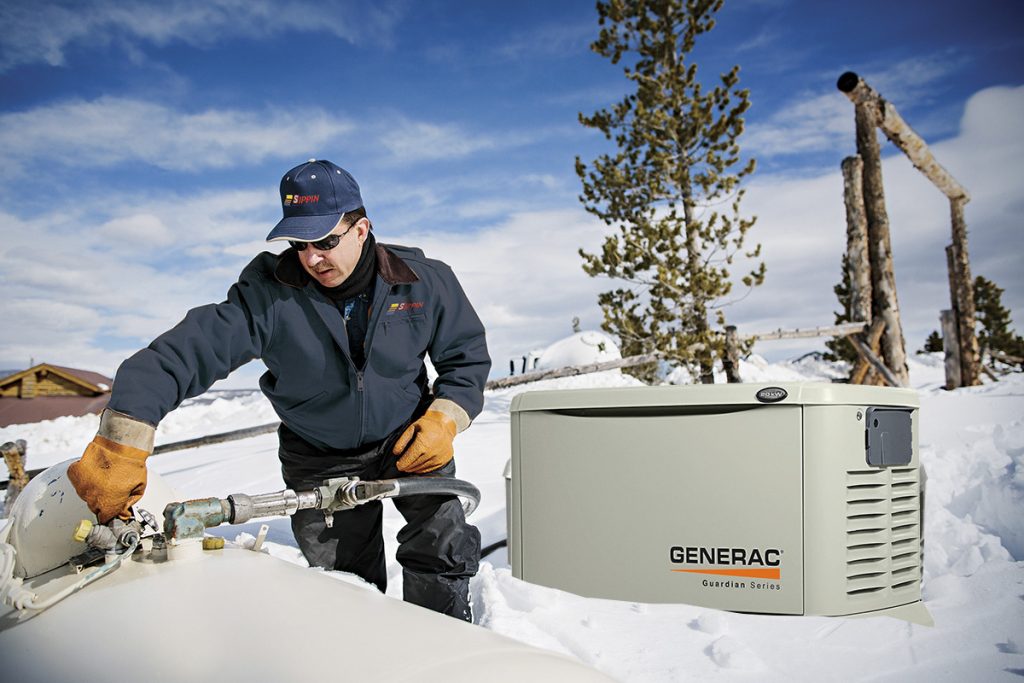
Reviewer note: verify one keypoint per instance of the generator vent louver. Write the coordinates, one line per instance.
(883, 530)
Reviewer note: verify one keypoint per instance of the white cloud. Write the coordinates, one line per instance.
(814, 123)
(135, 273)
(765, 36)
(112, 130)
(43, 31)
(108, 131)
(913, 78)
(418, 141)
(136, 229)
(548, 40)
(410, 141)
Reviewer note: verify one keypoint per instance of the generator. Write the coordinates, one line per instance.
(796, 498)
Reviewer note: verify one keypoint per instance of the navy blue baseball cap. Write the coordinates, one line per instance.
(314, 196)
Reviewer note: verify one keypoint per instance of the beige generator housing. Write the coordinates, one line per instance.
(801, 498)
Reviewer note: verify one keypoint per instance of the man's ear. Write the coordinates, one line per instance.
(362, 227)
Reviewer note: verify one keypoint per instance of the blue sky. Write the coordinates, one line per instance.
(142, 143)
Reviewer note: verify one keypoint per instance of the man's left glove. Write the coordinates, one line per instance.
(426, 444)
(111, 475)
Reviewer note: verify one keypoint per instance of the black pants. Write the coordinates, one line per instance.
(438, 550)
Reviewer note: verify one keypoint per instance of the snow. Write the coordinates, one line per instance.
(972, 447)
(581, 348)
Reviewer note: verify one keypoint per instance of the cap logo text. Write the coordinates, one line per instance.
(296, 199)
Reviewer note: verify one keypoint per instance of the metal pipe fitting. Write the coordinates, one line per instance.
(190, 519)
(281, 503)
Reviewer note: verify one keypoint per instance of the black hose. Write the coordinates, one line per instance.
(503, 543)
(431, 486)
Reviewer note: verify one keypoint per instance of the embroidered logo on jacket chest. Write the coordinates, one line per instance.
(404, 306)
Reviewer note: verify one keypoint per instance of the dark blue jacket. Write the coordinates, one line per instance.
(275, 312)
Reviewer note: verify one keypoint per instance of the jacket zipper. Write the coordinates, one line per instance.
(359, 385)
(371, 326)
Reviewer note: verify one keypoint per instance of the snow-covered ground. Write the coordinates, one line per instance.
(972, 446)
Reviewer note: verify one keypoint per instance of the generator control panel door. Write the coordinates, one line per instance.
(689, 504)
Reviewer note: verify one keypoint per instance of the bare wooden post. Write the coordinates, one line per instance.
(14, 456)
(884, 303)
(731, 359)
(911, 144)
(806, 333)
(857, 259)
(951, 337)
(963, 291)
(951, 348)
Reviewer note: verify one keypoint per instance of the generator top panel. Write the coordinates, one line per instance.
(789, 393)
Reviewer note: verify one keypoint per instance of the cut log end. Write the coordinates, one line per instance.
(848, 81)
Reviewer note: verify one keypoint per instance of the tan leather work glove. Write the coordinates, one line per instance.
(111, 475)
(426, 444)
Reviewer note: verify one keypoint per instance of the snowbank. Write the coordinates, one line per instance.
(581, 348)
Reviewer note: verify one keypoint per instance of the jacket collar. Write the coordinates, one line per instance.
(390, 266)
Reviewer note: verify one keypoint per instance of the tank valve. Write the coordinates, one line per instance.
(112, 537)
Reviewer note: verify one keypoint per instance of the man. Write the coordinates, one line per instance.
(343, 325)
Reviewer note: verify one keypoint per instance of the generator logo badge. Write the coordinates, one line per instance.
(771, 394)
(733, 563)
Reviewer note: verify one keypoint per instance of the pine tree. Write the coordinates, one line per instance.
(994, 321)
(677, 160)
(933, 343)
(840, 348)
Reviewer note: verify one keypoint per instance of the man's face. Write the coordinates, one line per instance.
(332, 267)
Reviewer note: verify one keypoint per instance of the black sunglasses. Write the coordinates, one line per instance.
(326, 244)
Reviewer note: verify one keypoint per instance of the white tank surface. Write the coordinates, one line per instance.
(237, 615)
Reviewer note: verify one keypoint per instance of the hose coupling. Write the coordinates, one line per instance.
(345, 493)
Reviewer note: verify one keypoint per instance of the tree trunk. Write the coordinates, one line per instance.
(951, 348)
(970, 358)
(14, 457)
(731, 359)
(858, 264)
(884, 303)
(700, 313)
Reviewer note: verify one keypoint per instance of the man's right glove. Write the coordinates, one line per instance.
(111, 475)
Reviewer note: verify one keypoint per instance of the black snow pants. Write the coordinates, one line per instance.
(438, 550)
